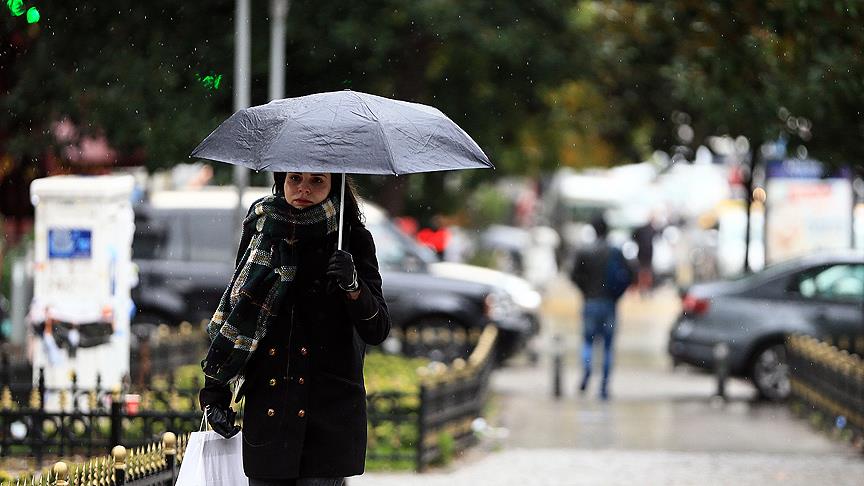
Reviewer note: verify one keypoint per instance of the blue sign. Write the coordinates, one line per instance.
(69, 243)
(794, 168)
(803, 169)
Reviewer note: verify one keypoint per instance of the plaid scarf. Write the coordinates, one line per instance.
(262, 279)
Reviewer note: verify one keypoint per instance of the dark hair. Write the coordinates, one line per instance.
(352, 209)
(600, 226)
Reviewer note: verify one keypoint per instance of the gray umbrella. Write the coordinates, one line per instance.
(344, 132)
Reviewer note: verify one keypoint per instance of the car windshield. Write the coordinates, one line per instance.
(396, 250)
(771, 271)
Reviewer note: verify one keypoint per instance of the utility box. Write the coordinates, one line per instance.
(81, 309)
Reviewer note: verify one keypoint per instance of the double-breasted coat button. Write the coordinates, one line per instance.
(301, 413)
(271, 412)
(272, 381)
(304, 351)
(301, 380)
(271, 351)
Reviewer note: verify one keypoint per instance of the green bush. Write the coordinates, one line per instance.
(488, 206)
(392, 373)
(447, 447)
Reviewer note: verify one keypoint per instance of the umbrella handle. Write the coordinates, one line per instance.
(341, 212)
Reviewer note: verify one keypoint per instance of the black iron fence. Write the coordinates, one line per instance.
(431, 425)
(451, 398)
(405, 429)
(88, 421)
(828, 381)
(154, 464)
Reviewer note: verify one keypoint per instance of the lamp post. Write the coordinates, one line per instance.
(242, 90)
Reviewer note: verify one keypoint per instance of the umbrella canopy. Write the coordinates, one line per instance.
(344, 132)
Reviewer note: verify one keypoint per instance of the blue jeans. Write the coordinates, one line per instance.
(598, 319)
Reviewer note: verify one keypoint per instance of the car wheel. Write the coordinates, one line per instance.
(770, 373)
(437, 338)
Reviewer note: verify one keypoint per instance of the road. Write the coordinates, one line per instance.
(661, 426)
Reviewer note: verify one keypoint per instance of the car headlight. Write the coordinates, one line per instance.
(529, 300)
(683, 329)
(500, 306)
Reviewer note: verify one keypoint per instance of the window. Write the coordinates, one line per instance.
(212, 235)
(843, 282)
(157, 237)
(390, 250)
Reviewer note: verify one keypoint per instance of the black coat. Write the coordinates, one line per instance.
(305, 408)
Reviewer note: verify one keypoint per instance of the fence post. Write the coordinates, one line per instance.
(119, 454)
(169, 449)
(41, 386)
(61, 474)
(6, 374)
(721, 367)
(421, 426)
(6, 404)
(116, 418)
(556, 366)
(37, 403)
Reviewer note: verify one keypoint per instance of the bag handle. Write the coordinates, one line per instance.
(204, 424)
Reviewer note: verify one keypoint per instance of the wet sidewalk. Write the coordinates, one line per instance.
(661, 426)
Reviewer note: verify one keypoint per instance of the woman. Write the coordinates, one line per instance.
(291, 331)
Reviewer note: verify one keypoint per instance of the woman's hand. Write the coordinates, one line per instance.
(222, 420)
(341, 269)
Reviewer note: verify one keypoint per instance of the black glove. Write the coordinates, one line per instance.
(341, 269)
(222, 420)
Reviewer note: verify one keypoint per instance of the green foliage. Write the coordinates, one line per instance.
(390, 372)
(538, 83)
(9, 257)
(189, 376)
(762, 70)
(488, 206)
(125, 70)
(446, 447)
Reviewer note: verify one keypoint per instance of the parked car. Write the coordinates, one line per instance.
(185, 244)
(517, 303)
(184, 247)
(819, 295)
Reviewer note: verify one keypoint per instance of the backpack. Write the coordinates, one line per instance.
(619, 275)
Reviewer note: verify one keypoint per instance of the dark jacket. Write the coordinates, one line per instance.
(589, 270)
(305, 408)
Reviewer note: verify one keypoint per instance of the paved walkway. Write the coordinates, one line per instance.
(661, 427)
(565, 467)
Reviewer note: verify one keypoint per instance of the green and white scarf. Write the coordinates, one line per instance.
(262, 279)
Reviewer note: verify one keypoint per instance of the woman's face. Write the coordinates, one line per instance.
(304, 189)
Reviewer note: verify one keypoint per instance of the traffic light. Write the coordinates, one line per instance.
(16, 8)
(32, 15)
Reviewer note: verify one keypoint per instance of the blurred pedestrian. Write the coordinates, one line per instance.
(644, 236)
(602, 274)
(290, 333)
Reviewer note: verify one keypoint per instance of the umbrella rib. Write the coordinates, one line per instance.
(380, 132)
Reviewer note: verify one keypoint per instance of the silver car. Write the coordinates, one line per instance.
(819, 295)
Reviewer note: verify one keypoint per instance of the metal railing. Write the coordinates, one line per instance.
(451, 398)
(154, 464)
(421, 428)
(89, 421)
(829, 381)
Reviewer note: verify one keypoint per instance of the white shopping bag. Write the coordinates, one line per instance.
(212, 460)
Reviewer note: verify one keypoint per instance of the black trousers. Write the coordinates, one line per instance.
(298, 482)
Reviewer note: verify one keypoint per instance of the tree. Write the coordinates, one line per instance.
(125, 69)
